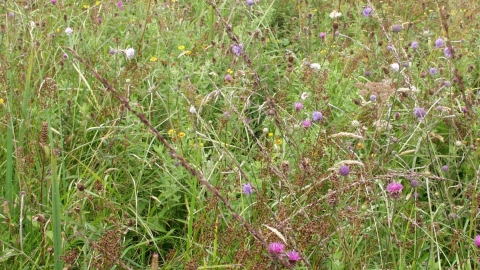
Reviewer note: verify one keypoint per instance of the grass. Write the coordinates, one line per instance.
(198, 149)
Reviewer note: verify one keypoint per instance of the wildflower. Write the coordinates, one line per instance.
(68, 31)
(419, 112)
(315, 66)
(99, 20)
(344, 170)
(153, 59)
(120, 5)
(2, 101)
(112, 51)
(367, 73)
(228, 77)
(53, 2)
(477, 240)
(373, 98)
(396, 28)
(276, 247)
(293, 256)
(367, 11)
(65, 56)
(414, 45)
(237, 49)
(458, 144)
(322, 35)
(335, 14)
(444, 168)
(270, 134)
(447, 83)
(278, 141)
(439, 43)
(317, 116)
(432, 71)
(395, 189)
(192, 109)
(250, 2)
(360, 145)
(304, 95)
(395, 67)
(181, 47)
(447, 52)
(306, 123)
(389, 47)
(298, 106)
(247, 189)
(130, 53)
(355, 123)
(188, 52)
(181, 134)
(171, 132)
(414, 183)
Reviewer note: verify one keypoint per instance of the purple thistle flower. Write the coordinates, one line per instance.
(367, 11)
(317, 116)
(373, 98)
(228, 77)
(247, 189)
(432, 71)
(414, 45)
(237, 49)
(344, 170)
(444, 168)
(389, 47)
(477, 241)
(447, 83)
(367, 73)
(53, 2)
(112, 52)
(439, 43)
(99, 20)
(322, 35)
(293, 256)
(447, 52)
(419, 112)
(250, 2)
(306, 123)
(396, 28)
(414, 183)
(394, 188)
(120, 5)
(298, 106)
(276, 247)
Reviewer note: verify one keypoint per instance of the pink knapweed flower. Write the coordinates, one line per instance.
(276, 247)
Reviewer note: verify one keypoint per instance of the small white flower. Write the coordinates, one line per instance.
(335, 14)
(265, 130)
(192, 109)
(458, 144)
(395, 67)
(68, 31)
(304, 95)
(355, 123)
(315, 66)
(130, 52)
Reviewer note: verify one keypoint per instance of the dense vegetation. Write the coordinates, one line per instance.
(257, 134)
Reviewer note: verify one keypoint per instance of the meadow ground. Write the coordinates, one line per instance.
(256, 134)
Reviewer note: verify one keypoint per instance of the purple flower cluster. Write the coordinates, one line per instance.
(419, 112)
(394, 189)
(278, 248)
(344, 170)
(247, 189)
(367, 11)
(237, 49)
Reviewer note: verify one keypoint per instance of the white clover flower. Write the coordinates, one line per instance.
(192, 109)
(130, 53)
(335, 14)
(395, 67)
(315, 66)
(68, 31)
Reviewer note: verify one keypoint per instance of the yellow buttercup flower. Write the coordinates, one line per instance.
(153, 59)
(323, 51)
(97, 3)
(188, 52)
(270, 134)
(181, 47)
(2, 101)
(278, 141)
(229, 71)
(181, 134)
(171, 132)
(360, 145)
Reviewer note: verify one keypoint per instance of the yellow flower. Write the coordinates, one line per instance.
(153, 59)
(2, 101)
(201, 144)
(86, 6)
(270, 134)
(323, 51)
(97, 3)
(181, 47)
(360, 145)
(171, 132)
(188, 52)
(181, 134)
(229, 71)
(58, 30)
(278, 141)
(314, 10)
(132, 20)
